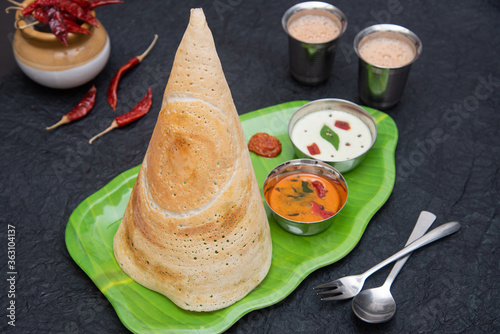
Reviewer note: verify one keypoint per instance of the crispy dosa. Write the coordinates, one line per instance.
(195, 228)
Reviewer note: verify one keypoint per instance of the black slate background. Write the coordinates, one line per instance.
(447, 161)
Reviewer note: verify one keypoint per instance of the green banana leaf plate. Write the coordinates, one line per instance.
(92, 225)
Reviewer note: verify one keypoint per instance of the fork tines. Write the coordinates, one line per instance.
(337, 291)
(334, 293)
(333, 284)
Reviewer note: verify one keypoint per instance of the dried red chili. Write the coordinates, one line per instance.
(81, 3)
(40, 14)
(313, 149)
(138, 111)
(76, 28)
(81, 13)
(37, 4)
(342, 125)
(72, 23)
(87, 4)
(264, 145)
(113, 86)
(80, 110)
(71, 17)
(319, 188)
(320, 210)
(57, 25)
(99, 3)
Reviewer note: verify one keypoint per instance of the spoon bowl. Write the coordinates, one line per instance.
(374, 305)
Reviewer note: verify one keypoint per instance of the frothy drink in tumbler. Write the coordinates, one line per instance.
(313, 27)
(386, 51)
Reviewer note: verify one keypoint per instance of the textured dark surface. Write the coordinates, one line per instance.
(447, 161)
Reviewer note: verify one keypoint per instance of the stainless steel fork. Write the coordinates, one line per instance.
(350, 286)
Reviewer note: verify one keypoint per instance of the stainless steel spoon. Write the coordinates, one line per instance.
(378, 305)
(349, 286)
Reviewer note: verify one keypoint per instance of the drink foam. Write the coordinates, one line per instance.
(312, 28)
(386, 52)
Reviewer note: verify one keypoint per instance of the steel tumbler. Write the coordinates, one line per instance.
(311, 63)
(378, 86)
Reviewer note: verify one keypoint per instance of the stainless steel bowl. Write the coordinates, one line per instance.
(309, 166)
(342, 166)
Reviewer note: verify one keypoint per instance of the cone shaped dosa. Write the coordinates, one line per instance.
(195, 228)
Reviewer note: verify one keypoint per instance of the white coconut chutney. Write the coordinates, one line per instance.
(352, 142)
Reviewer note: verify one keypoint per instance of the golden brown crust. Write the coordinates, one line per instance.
(195, 228)
(197, 135)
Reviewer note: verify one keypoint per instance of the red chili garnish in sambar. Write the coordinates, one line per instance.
(319, 188)
(320, 210)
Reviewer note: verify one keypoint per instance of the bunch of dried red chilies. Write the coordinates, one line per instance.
(87, 102)
(63, 16)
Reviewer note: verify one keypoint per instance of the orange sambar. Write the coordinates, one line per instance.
(306, 197)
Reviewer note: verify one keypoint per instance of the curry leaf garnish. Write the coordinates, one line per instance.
(295, 197)
(330, 136)
(305, 187)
